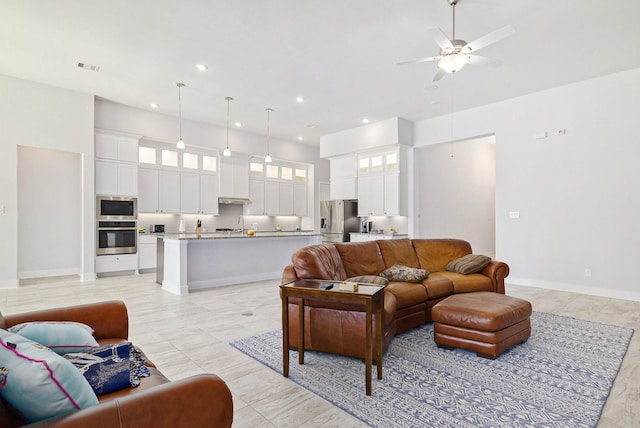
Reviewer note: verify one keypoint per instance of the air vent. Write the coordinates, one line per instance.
(89, 67)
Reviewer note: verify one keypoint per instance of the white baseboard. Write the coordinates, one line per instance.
(48, 272)
(575, 288)
(9, 283)
(240, 279)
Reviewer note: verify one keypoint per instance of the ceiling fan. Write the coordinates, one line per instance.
(455, 53)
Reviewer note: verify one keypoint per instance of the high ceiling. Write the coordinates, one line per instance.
(339, 55)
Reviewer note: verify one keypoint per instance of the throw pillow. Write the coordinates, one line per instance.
(471, 263)
(60, 336)
(38, 382)
(404, 273)
(369, 279)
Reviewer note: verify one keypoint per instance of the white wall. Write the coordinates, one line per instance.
(35, 115)
(455, 192)
(50, 207)
(577, 194)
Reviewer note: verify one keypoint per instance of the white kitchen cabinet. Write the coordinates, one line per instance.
(370, 195)
(286, 198)
(189, 193)
(158, 191)
(257, 197)
(147, 190)
(392, 194)
(169, 192)
(116, 165)
(234, 177)
(116, 178)
(209, 194)
(116, 148)
(343, 178)
(365, 237)
(271, 197)
(147, 255)
(300, 201)
(116, 263)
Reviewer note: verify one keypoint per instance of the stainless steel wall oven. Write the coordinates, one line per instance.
(117, 237)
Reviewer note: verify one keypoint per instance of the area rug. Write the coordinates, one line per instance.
(561, 377)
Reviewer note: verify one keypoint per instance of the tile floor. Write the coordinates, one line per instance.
(186, 335)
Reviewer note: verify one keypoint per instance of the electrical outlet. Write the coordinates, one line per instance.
(1, 209)
(587, 272)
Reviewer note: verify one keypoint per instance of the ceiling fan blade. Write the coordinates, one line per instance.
(441, 39)
(488, 39)
(483, 60)
(418, 60)
(439, 75)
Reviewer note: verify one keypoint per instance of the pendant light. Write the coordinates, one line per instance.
(227, 152)
(180, 144)
(267, 158)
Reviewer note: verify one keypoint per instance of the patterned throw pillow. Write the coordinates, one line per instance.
(39, 383)
(369, 279)
(60, 336)
(471, 263)
(404, 273)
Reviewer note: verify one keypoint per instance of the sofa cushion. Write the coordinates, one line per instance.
(437, 285)
(404, 273)
(361, 258)
(398, 252)
(38, 382)
(435, 254)
(60, 336)
(369, 279)
(320, 261)
(471, 263)
(407, 293)
(468, 283)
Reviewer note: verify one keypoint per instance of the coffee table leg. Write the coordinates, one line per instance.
(368, 349)
(380, 337)
(285, 334)
(301, 331)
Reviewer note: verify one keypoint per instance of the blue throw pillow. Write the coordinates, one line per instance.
(60, 336)
(38, 382)
(107, 368)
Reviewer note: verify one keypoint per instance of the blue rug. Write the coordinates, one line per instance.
(561, 377)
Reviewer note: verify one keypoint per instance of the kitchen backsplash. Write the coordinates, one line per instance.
(226, 219)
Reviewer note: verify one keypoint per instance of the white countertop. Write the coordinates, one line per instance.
(234, 235)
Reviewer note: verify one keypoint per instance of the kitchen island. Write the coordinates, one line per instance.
(193, 261)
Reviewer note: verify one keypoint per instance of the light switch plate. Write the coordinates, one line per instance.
(514, 214)
(1, 209)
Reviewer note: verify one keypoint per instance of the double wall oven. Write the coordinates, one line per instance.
(117, 225)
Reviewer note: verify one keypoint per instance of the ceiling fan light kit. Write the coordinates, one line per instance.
(455, 53)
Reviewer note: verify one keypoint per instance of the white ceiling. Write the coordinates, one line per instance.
(339, 55)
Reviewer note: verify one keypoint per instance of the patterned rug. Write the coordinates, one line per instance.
(561, 377)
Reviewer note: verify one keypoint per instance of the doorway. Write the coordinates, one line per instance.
(49, 212)
(455, 191)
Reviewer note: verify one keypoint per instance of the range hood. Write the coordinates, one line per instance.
(233, 201)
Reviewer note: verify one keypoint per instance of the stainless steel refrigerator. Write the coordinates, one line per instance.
(338, 218)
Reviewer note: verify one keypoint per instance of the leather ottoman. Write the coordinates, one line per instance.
(484, 322)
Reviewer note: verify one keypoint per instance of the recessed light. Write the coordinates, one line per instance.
(310, 125)
(365, 120)
(434, 102)
(154, 105)
(300, 138)
(299, 100)
(201, 67)
(238, 124)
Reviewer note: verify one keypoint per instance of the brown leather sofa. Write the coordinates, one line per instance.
(339, 329)
(199, 401)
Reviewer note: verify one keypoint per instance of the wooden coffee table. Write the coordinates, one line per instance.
(368, 295)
